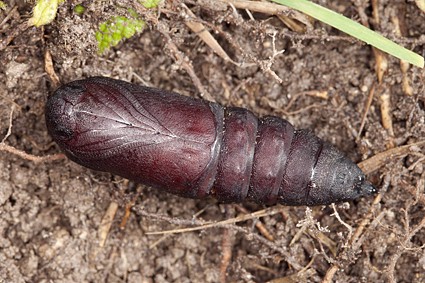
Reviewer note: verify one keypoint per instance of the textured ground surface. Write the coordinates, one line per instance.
(50, 212)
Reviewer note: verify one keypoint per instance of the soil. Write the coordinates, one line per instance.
(51, 211)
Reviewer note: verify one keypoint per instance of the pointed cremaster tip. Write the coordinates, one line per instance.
(368, 188)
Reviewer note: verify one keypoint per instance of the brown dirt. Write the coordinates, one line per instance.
(50, 212)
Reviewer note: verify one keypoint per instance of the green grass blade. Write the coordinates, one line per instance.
(354, 29)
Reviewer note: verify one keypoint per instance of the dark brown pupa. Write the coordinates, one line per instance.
(195, 148)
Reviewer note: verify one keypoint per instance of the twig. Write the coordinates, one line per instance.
(50, 70)
(15, 32)
(355, 244)
(198, 28)
(404, 245)
(227, 242)
(9, 129)
(366, 110)
(258, 224)
(373, 163)
(106, 223)
(184, 61)
(266, 65)
(9, 15)
(268, 8)
(23, 154)
(336, 214)
(228, 224)
(30, 157)
(205, 225)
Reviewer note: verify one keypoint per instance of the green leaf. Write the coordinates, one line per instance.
(44, 12)
(148, 4)
(117, 28)
(354, 29)
(79, 9)
(2, 5)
